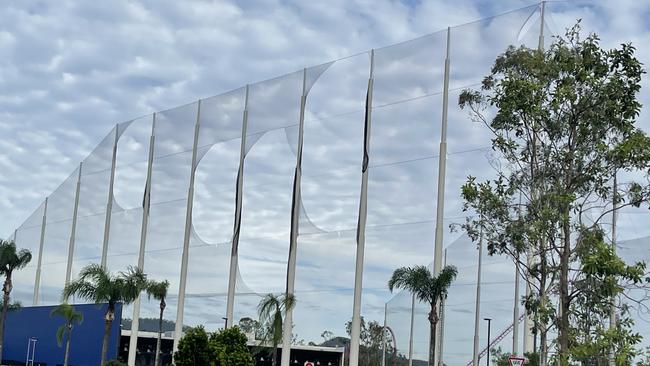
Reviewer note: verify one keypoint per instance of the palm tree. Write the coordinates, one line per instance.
(427, 288)
(97, 284)
(70, 316)
(271, 311)
(11, 259)
(158, 290)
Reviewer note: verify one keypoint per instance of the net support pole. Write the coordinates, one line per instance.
(109, 204)
(411, 329)
(178, 329)
(293, 236)
(146, 200)
(529, 341)
(355, 331)
(37, 279)
(239, 193)
(612, 311)
(515, 313)
(383, 337)
(477, 307)
(73, 228)
(442, 166)
(441, 336)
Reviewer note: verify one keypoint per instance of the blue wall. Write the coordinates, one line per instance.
(86, 343)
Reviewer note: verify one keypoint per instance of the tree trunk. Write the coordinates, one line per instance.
(67, 348)
(6, 290)
(433, 321)
(107, 332)
(160, 322)
(543, 347)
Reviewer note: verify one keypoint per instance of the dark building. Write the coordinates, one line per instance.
(300, 355)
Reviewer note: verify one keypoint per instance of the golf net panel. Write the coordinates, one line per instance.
(329, 205)
(170, 178)
(220, 138)
(27, 236)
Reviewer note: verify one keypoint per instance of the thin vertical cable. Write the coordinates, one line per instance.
(73, 228)
(146, 202)
(239, 192)
(37, 279)
(355, 332)
(178, 329)
(293, 238)
(109, 204)
(442, 166)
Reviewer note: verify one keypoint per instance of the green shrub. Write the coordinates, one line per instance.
(223, 348)
(115, 363)
(229, 348)
(193, 349)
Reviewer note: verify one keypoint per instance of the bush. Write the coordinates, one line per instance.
(229, 348)
(116, 363)
(193, 349)
(223, 348)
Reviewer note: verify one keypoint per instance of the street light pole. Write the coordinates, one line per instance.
(489, 321)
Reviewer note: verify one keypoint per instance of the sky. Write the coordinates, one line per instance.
(70, 71)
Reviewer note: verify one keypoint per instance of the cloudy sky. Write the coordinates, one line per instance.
(71, 70)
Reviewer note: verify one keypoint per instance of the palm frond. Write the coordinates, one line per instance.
(157, 289)
(83, 289)
(60, 333)
(413, 279)
(67, 312)
(133, 282)
(441, 283)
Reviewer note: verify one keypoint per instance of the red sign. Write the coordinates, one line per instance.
(516, 361)
(307, 363)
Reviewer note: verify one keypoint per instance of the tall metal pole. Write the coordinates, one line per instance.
(477, 308)
(355, 331)
(37, 280)
(411, 330)
(441, 336)
(515, 313)
(529, 337)
(542, 21)
(178, 329)
(612, 313)
(293, 237)
(146, 201)
(489, 321)
(383, 337)
(239, 193)
(109, 204)
(73, 229)
(442, 166)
